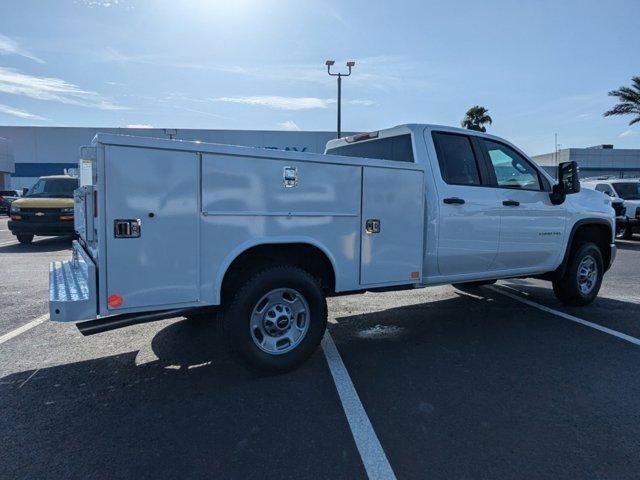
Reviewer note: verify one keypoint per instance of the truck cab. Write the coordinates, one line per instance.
(46, 209)
(491, 210)
(259, 238)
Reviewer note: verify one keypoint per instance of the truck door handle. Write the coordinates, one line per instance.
(453, 200)
(511, 203)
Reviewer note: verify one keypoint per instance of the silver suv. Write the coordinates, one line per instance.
(627, 189)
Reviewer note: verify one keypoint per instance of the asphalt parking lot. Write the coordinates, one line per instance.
(453, 384)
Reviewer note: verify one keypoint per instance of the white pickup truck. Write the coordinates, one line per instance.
(259, 237)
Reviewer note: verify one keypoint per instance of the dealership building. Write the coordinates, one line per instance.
(601, 160)
(27, 153)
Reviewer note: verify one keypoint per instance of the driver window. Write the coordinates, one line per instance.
(512, 170)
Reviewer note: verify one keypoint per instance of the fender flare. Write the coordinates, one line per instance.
(559, 272)
(256, 242)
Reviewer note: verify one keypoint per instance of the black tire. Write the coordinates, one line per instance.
(237, 318)
(23, 238)
(567, 289)
(624, 233)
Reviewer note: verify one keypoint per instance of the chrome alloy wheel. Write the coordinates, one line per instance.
(587, 275)
(280, 321)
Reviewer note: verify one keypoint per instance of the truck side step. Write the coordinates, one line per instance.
(126, 320)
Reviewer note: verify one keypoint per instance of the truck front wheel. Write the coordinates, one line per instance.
(581, 281)
(276, 319)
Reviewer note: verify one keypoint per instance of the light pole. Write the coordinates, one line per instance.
(350, 65)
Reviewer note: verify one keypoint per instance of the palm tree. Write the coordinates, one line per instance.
(476, 118)
(629, 101)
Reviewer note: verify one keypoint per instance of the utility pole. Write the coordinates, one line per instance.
(350, 65)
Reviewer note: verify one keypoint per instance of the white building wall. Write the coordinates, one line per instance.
(596, 161)
(6, 164)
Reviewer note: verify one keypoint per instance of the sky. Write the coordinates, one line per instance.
(540, 67)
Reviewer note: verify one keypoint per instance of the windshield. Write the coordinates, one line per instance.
(628, 190)
(53, 188)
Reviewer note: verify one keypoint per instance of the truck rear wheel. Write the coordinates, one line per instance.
(276, 319)
(581, 281)
(23, 238)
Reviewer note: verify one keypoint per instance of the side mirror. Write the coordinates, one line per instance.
(569, 177)
(568, 182)
(24, 190)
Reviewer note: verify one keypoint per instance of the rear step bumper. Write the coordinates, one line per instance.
(72, 288)
(127, 319)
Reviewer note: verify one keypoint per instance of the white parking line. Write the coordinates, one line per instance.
(4, 244)
(595, 326)
(373, 457)
(24, 328)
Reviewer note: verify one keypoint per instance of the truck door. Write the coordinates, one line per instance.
(152, 226)
(392, 226)
(469, 217)
(531, 227)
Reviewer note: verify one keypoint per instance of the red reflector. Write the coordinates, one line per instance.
(115, 301)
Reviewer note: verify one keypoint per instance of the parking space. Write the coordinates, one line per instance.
(455, 384)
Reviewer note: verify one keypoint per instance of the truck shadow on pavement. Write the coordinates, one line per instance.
(47, 244)
(633, 245)
(183, 407)
(190, 412)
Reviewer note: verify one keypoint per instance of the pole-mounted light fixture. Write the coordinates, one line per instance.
(350, 65)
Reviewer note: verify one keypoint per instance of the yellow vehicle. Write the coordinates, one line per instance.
(45, 210)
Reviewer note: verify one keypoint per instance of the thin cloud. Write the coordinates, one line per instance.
(362, 102)
(140, 125)
(104, 3)
(9, 46)
(51, 89)
(289, 125)
(381, 72)
(16, 112)
(628, 133)
(281, 103)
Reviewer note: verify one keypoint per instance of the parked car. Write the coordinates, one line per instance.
(626, 189)
(622, 222)
(266, 235)
(6, 197)
(45, 210)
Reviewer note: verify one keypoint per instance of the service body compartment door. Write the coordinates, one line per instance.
(151, 226)
(392, 226)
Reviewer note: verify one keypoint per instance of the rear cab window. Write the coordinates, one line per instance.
(398, 148)
(457, 159)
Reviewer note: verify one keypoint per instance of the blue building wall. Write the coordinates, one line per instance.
(41, 151)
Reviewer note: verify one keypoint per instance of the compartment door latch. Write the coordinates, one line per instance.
(126, 228)
(289, 177)
(372, 225)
